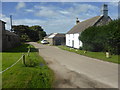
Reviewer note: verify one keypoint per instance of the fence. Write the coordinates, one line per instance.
(21, 58)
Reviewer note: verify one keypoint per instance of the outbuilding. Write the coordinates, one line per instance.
(8, 39)
(56, 39)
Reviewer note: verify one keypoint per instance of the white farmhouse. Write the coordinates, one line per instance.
(72, 36)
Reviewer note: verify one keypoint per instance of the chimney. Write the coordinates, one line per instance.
(77, 21)
(104, 10)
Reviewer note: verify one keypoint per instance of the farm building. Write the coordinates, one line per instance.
(55, 39)
(8, 39)
(72, 36)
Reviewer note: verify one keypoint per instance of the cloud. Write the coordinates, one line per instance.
(46, 11)
(29, 10)
(114, 4)
(75, 10)
(56, 18)
(64, 12)
(20, 5)
(49, 26)
(113, 10)
(7, 20)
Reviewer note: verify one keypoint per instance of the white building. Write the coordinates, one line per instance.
(72, 36)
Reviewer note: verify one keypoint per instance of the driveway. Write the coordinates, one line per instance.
(77, 71)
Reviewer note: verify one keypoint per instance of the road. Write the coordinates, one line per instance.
(77, 71)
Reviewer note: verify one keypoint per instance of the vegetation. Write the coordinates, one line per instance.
(35, 75)
(26, 33)
(98, 55)
(102, 38)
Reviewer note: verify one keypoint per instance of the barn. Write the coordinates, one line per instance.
(72, 36)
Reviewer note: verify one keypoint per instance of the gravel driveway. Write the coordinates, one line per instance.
(77, 71)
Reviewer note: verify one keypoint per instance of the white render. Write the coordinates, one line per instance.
(72, 40)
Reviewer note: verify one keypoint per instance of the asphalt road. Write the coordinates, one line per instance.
(82, 71)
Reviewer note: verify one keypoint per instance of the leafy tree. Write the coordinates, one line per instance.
(39, 30)
(26, 33)
(36, 28)
(22, 31)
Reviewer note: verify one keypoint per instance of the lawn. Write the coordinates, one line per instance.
(98, 55)
(35, 75)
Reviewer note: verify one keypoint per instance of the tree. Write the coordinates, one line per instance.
(26, 33)
(39, 30)
(22, 31)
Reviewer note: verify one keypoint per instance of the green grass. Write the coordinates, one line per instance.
(97, 55)
(35, 75)
(0, 62)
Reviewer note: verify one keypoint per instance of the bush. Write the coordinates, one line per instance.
(81, 48)
(31, 62)
(102, 38)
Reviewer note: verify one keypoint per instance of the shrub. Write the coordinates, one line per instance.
(102, 38)
(31, 62)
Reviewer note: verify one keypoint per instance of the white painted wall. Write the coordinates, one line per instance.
(72, 40)
(76, 41)
(67, 39)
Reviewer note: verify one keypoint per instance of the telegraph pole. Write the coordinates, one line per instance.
(11, 22)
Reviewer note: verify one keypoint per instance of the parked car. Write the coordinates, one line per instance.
(44, 42)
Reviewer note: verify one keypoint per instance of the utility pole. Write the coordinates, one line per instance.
(11, 22)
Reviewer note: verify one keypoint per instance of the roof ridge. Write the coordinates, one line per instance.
(84, 24)
(89, 19)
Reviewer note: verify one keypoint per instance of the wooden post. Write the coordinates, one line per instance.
(24, 59)
(28, 51)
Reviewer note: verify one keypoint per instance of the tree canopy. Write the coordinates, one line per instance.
(102, 38)
(26, 33)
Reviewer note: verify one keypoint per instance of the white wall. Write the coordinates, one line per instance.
(72, 40)
(76, 41)
(67, 39)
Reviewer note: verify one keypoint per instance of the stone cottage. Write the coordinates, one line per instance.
(72, 36)
(55, 39)
(8, 39)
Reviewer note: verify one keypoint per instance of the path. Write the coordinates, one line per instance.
(77, 71)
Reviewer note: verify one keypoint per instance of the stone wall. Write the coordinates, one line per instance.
(103, 21)
(7, 39)
(59, 41)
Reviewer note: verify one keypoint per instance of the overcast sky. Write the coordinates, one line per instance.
(53, 16)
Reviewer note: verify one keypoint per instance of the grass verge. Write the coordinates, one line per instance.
(97, 55)
(35, 75)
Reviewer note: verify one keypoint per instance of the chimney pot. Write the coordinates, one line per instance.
(77, 21)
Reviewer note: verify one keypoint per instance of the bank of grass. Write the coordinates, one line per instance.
(35, 75)
(97, 55)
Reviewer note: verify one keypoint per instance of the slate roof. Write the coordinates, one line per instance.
(2, 21)
(48, 35)
(81, 26)
(60, 35)
(6, 32)
(53, 35)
